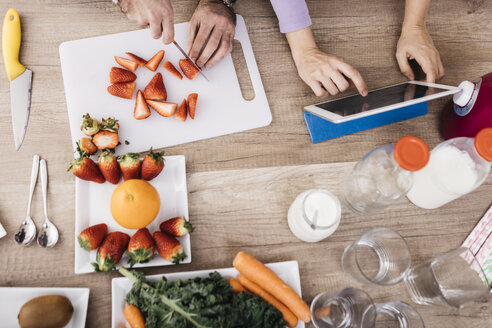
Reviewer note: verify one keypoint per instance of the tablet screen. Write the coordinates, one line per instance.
(378, 98)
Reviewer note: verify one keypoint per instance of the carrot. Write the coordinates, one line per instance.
(236, 286)
(287, 314)
(258, 273)
(134, 316)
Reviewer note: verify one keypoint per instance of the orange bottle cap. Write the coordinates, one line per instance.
(411, 153)
(483, 144)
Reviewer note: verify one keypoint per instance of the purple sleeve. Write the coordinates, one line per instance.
(292, 15)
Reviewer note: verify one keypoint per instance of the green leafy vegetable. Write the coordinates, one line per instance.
(200, 302)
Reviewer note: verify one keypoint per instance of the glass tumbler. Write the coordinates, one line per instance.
(452, 279)
(348, 308)
(380, 255)
(397, 314)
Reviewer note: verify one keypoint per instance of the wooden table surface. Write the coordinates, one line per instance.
(241, 185)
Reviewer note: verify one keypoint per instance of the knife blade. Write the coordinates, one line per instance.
(188, 57)
(19, 76)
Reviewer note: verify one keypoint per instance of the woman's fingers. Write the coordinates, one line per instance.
(355, 77)
(405, 68)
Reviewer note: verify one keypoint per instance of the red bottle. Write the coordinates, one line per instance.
(470, 110)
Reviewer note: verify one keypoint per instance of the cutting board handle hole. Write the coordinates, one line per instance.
(239, 61)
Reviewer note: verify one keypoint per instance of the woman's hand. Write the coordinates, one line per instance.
(157, 14)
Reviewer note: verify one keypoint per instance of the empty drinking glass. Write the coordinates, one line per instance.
(452, 279)
(380, 255)
(348, 308)
(397, 314)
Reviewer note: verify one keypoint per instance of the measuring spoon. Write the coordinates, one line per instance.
(48, 236)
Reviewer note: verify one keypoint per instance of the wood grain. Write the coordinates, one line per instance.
(241, 185)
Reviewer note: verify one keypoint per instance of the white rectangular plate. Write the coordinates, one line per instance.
(287, 271)
(92, 206)
(12, 299)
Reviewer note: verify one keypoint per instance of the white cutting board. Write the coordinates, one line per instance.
(221, 108)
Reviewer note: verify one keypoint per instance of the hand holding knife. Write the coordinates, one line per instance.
(188, 57)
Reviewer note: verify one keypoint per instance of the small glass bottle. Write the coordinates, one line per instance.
(456, 167)
(384, 175)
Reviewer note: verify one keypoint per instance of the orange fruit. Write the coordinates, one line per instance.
(135, 204)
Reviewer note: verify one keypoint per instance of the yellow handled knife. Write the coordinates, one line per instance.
(19, 76)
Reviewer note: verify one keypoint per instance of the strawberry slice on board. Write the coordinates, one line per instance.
(118, 75)
(178, 227)
(110, 169)
(106, 140)
(89, 125)
(154, 62)
(155, 90)
(171, 69)
(141, 110)
(188, 69)
(86, 147)
(109, 124)
(130, 166)
(90, 238)
(139, 60)
(111, 251)
(152, 165)
(126, 63)
(168, 247)
(163, 108)
(84, 168)
(181, 113)
(141, 247)
(122, 90)
(192, 98)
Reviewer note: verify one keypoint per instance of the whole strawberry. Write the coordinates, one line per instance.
(84, 168)
(109, 124)
(111, 251)
(90, 238)
(89, 125)
(141, 247)
(168, 247)
(86, 147)
(130, 166)
(109, 167)
(152, 165)
(178, 227)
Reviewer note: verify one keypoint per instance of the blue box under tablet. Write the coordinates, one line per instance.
(321, 129)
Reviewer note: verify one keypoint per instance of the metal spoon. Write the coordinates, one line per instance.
(48, 236)
(27, 230)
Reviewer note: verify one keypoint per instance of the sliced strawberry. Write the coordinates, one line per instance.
(126, 63)
(106, 140)
(163, 108)
(154, 62)
(140, 61)
(141, 110)
(181, 113)
(109, 167)
(90, 238)
(111, 251)
(84, 168)
(86, 147)
(117, 75)
(155, 90)
(109, 124)
(171, 69)
(141, 247)
(122, 90)
(152, 165)
(130, 166)
(192, 98)
(89, 125)
(178, 227)
(188, 69)
(168, 247)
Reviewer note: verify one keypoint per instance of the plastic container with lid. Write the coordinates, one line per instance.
(384, 175)
(456, 167)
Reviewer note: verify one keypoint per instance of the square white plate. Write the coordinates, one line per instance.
(92, 206)
(12, 299)
(287, 271)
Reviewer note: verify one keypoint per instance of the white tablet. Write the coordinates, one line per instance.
(380, 100)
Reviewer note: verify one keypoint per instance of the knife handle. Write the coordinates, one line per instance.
(11, 39)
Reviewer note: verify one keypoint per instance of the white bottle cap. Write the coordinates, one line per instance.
(3, 233)
(463, 97)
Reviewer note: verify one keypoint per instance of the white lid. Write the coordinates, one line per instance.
(3, 233)
(463, 97)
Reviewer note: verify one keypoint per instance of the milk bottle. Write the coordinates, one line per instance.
(456, 167)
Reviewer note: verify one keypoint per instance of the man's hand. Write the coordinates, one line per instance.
(215, 22)
(157, 14)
